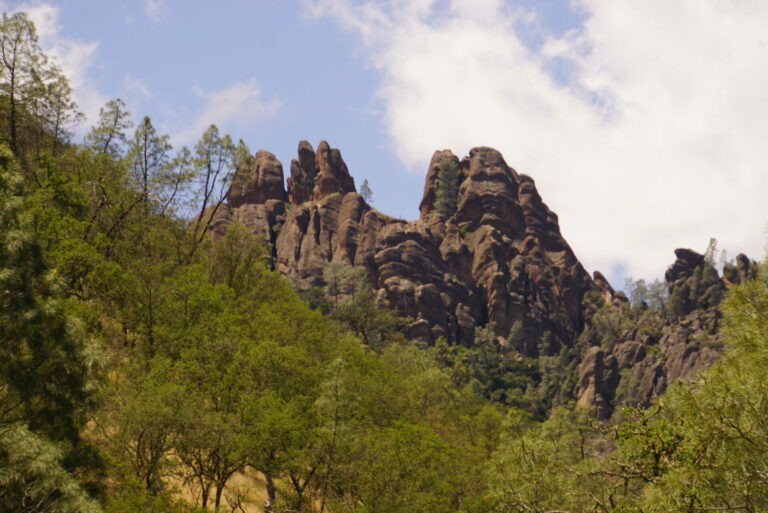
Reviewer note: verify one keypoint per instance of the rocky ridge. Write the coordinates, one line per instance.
(498, 260)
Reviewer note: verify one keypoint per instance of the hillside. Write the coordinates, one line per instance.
(180, 333)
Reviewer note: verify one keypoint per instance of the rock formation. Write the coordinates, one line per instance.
(499, 260)
(260, 182)
(496, 259)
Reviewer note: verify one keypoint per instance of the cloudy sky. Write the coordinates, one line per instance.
(644, 123)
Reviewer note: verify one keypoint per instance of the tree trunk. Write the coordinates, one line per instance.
(204, 491)
(12, 114)
(219, 492)
(270, 487)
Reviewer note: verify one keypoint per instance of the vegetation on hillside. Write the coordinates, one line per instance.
(145, 367)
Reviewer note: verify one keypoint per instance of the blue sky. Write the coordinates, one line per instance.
(641, 122)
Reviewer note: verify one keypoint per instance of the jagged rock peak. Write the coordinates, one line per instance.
(487, 186)
(685, 264)
(315, 175)
(303, 173)
(259, 182)
(639, 363)
(489, 195)
(332, 173)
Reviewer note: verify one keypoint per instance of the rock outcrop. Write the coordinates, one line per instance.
(640, 363)
(499, 259)
(260, 182)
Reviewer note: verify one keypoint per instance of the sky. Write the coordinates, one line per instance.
(644, 124)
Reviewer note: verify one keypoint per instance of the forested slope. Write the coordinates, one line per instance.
(146, 365)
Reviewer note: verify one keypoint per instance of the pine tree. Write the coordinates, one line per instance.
(109, 135)
(447, 191)
(150, 155)
(47, 367)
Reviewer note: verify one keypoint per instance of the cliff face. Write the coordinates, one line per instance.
(499, 259)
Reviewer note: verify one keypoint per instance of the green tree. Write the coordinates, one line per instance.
(344, 282)
(721, 419)
(33, 478)
(140, 421)
(150, 155)
(47, 368)
(547, 467)
(110, 135)
(48, 361)
(215, 160)
(447, 192)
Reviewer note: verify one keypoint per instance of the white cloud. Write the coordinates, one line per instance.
(238, 105)
(155, 9)
(136, 86)
(74, 57)
(657, 141)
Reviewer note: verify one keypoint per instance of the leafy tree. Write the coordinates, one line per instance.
(552, 466)
(55, 112)
(232, 259)
(344, 282)
(140, 422)
(354, 305)
(48, 361)
(374, 325)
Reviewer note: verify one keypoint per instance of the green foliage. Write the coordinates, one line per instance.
(32, 477)
(344, 282)
(47, 368)
(354, 305)
(36, 108)
(653, 296)
(48, 360)
(548, 467)
(507, 377)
